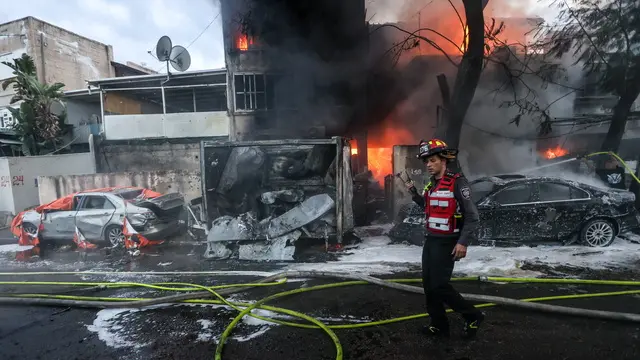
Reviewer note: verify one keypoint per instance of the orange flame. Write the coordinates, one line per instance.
(380, 162)
(243, 42)
(354, 147)
(554, 153)
(465, 39)
(380, 147)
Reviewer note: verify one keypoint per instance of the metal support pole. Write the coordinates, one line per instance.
(339, 189)
(193, 91)
(101, 106)
(164, 103)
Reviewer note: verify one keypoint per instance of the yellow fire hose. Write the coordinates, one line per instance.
(98, 302)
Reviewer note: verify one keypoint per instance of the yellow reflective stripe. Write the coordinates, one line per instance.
(428, 186)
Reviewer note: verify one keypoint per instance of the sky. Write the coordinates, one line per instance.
(133, 27)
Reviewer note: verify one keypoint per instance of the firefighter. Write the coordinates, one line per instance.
(451, 219)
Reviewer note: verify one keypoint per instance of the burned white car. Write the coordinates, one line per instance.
(99, 215)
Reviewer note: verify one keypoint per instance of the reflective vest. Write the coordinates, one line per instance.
(441, 207)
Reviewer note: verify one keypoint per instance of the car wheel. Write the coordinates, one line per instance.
(598, 233)
(113, 235)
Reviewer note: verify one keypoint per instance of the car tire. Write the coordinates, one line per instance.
(598, 233)
(112, 232)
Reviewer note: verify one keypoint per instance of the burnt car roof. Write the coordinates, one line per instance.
(516, 178)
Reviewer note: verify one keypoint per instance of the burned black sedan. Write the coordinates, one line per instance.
(519, 210)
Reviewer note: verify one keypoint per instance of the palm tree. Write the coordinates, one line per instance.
(34, 121)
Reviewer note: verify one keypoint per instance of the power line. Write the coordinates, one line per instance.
(197, 37)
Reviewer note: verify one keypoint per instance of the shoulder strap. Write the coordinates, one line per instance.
(453, 175)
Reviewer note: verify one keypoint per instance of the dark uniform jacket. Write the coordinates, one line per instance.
(468, 209)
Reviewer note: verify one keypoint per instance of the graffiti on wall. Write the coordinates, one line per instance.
(6, 181)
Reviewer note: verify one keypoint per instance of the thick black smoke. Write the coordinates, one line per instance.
(318, 49)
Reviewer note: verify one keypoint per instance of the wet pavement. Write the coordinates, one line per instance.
(192, 331)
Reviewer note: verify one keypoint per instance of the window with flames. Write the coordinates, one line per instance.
(244, 42)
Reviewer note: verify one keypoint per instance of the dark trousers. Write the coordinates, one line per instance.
(437, 267)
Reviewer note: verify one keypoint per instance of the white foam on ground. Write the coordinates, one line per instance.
(107, 326)
(352, 268)
(14, 248)
(207, 333)
(377, 254)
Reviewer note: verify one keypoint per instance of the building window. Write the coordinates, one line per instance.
(253, 92)
(6, 119)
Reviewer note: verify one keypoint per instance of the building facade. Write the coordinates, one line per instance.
(294, 68)
(60, 55)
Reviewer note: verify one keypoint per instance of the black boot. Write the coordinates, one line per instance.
(436, 331)
(472, 324)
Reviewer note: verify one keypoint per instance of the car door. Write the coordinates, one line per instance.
(94, 214)
(61, 224)
(479, 191)
(512, 215)
(564, 206)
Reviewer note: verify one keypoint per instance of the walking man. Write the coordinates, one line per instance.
(451, 219)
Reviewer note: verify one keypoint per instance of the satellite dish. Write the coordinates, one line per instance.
(180, 58)
(177, 55)
(163, 48)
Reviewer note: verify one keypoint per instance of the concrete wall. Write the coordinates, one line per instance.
(6, 190)
(180, 125)
(185, 182)
(147, 157)
(24, 172)
(60, 55)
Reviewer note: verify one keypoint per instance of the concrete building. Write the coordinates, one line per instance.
(60, 55)
(151, 122)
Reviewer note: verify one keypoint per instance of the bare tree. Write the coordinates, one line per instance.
(456, 101)
(468, 75)
(604, 37)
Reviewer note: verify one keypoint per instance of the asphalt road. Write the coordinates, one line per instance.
(6, 237)
(181, 332)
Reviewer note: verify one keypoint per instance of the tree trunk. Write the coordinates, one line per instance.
(619, 120)
(468, 74)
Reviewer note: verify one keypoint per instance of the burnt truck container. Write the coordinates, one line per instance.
(273, 189)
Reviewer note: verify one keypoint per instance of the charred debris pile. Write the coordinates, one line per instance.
(274, 194)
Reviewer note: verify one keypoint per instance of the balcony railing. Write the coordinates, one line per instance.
(157, 126)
